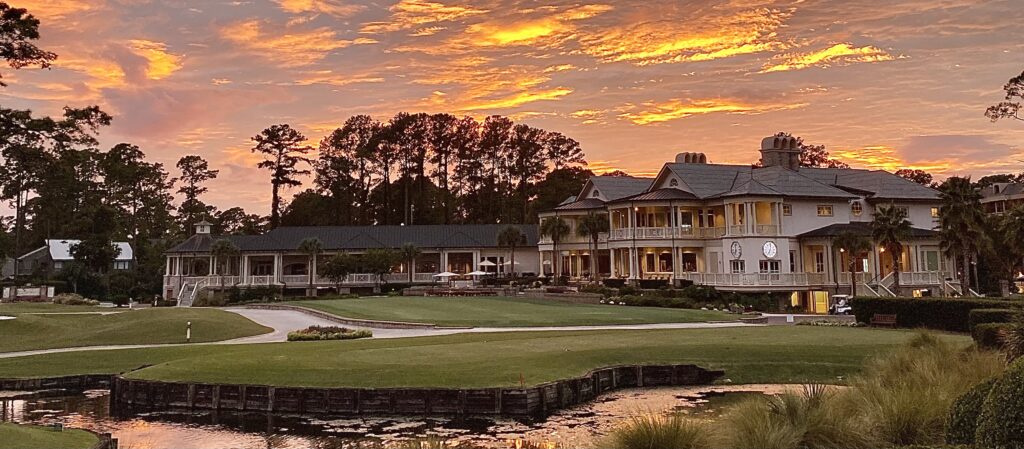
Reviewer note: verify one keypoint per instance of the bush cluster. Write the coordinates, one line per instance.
(1001, 421)
(316, 333)
(658, 301)
(962, 422)
(947, 314)
(73, 299)
(254, 294)
(989, 335)
(986, 316)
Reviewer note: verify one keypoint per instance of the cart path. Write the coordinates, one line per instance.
(284, 321)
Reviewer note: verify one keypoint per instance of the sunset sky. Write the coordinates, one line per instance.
(883, 84)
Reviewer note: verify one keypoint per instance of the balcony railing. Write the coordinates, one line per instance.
(296, 280)
(767, 229)
(756, 279)
(665, 233)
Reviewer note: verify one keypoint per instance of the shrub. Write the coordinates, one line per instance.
(962, 422)
(830, 323)
(206, 300)
(74, 299)
(1001, 422)
(1013, 339)
(933, 313)
(985, 316)
(627, 290)
(990, 335)
(658, 301)
(654, 431)
(596, 288)
(652, 284)
(702, 293)
(396, 287)
(316, 333)
(614, 283)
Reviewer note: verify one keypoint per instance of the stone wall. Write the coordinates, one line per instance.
(130, 396)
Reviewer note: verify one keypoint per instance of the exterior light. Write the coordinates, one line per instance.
(842, 250)
(881, 250)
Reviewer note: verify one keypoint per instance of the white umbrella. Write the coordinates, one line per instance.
(446, 274)
(477, 273)
(510, 263)
(487, 263)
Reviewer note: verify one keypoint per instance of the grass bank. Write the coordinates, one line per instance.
(16, 436)
(490, 311)
(45, 307)
(783, 354)
(29, 331)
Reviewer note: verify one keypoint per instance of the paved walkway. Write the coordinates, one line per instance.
(284, 321)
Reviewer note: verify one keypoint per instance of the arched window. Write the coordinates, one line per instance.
(595, 193)
(673, 183)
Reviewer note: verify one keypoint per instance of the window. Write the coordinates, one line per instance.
(935, 212)
(999, 206)
(787, 209)
(824, 210)
(819, 261)
(856, 208)
(904, 210)
(792, 261)
(121, 265)
(673, 183)
(595, 193)
(769, 269)
(738, 266)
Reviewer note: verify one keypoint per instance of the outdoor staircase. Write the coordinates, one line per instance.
(188, 293)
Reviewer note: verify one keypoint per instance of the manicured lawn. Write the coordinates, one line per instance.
(165, 325)
(16, 436)
(782, 354)
(504, 312)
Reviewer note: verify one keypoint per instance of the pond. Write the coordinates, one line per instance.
(577, 427)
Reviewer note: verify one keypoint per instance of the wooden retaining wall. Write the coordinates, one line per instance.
(131, 395)
(73, 383)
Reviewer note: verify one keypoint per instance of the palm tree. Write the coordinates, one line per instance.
(224, 248)
(591, 227)
(960, 223)
(889, 229)
(855, 245)
(311, 247)
(409, 252)
(511, 237)
(556, 228)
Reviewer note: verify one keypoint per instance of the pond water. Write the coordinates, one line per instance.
(577, 427)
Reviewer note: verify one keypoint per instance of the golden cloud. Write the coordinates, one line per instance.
(102, 73)
(839, 53)
(674, 39)
(410, 14)
(884, 157)
(329, 77)
(678, 109)
(502, 33)
(50, 10)
(329, 7)
(289, 48)
(518, 99)
(160, 63)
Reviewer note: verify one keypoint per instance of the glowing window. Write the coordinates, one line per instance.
(824, 210)
(856, 208)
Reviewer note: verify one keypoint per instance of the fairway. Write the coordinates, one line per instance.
(143, 326)
(781, 354)
(505, 312)
(16, 436)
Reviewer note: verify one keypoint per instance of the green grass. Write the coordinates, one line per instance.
(504, 312)
(145, 326)
(781, 354)
(16, 436)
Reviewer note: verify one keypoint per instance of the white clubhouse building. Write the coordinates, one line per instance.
(734, 227)
(753, 229)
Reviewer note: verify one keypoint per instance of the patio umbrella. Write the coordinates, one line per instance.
(487, 263)
(446, 274)
(477, 273)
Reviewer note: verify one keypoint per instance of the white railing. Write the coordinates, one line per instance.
(665, 233)
(295, 279)
(767, 229)
(715, 232)
(621, 234)
(653, 233)
(861, 278)
(756, 279)
(737, 229)
(261, 280)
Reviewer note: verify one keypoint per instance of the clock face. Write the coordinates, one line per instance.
(770, 250)
(736, 250)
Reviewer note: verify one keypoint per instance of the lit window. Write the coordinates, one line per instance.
(824, 210)
(856, 208)
(738, 266)
(935, 212)
(787, 209)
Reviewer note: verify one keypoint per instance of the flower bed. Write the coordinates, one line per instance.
(317, 333)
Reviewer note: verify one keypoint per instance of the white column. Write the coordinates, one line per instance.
(278, 262)
(633, 265)
(611, 260)
(312, 270)
(213, 266)
(244, 274)
(728, 218)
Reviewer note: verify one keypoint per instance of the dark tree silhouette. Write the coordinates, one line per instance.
(284, 150)
(1010, 106)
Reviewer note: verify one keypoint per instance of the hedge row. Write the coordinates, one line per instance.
(989, 335)
(947, 314)
(987, 316)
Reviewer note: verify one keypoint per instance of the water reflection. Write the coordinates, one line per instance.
(576, 427)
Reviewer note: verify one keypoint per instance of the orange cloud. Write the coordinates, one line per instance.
(289, 48)
(51, 10)
(678, 109)
(329, 77)
(329, 7)
(676, 39)
(518, 99)
(838, 53)
(161, 64)
(410, 14)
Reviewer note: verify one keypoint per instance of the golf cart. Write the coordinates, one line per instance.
(840, 305)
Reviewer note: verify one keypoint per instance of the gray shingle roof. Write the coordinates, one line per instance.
(860, 228)
(586, 204)
(660, 195)
(714, 180)
(615, 187)
(363, 237)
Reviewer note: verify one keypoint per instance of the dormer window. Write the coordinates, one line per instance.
(673, 183)
(595, 194)
(856, 208)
